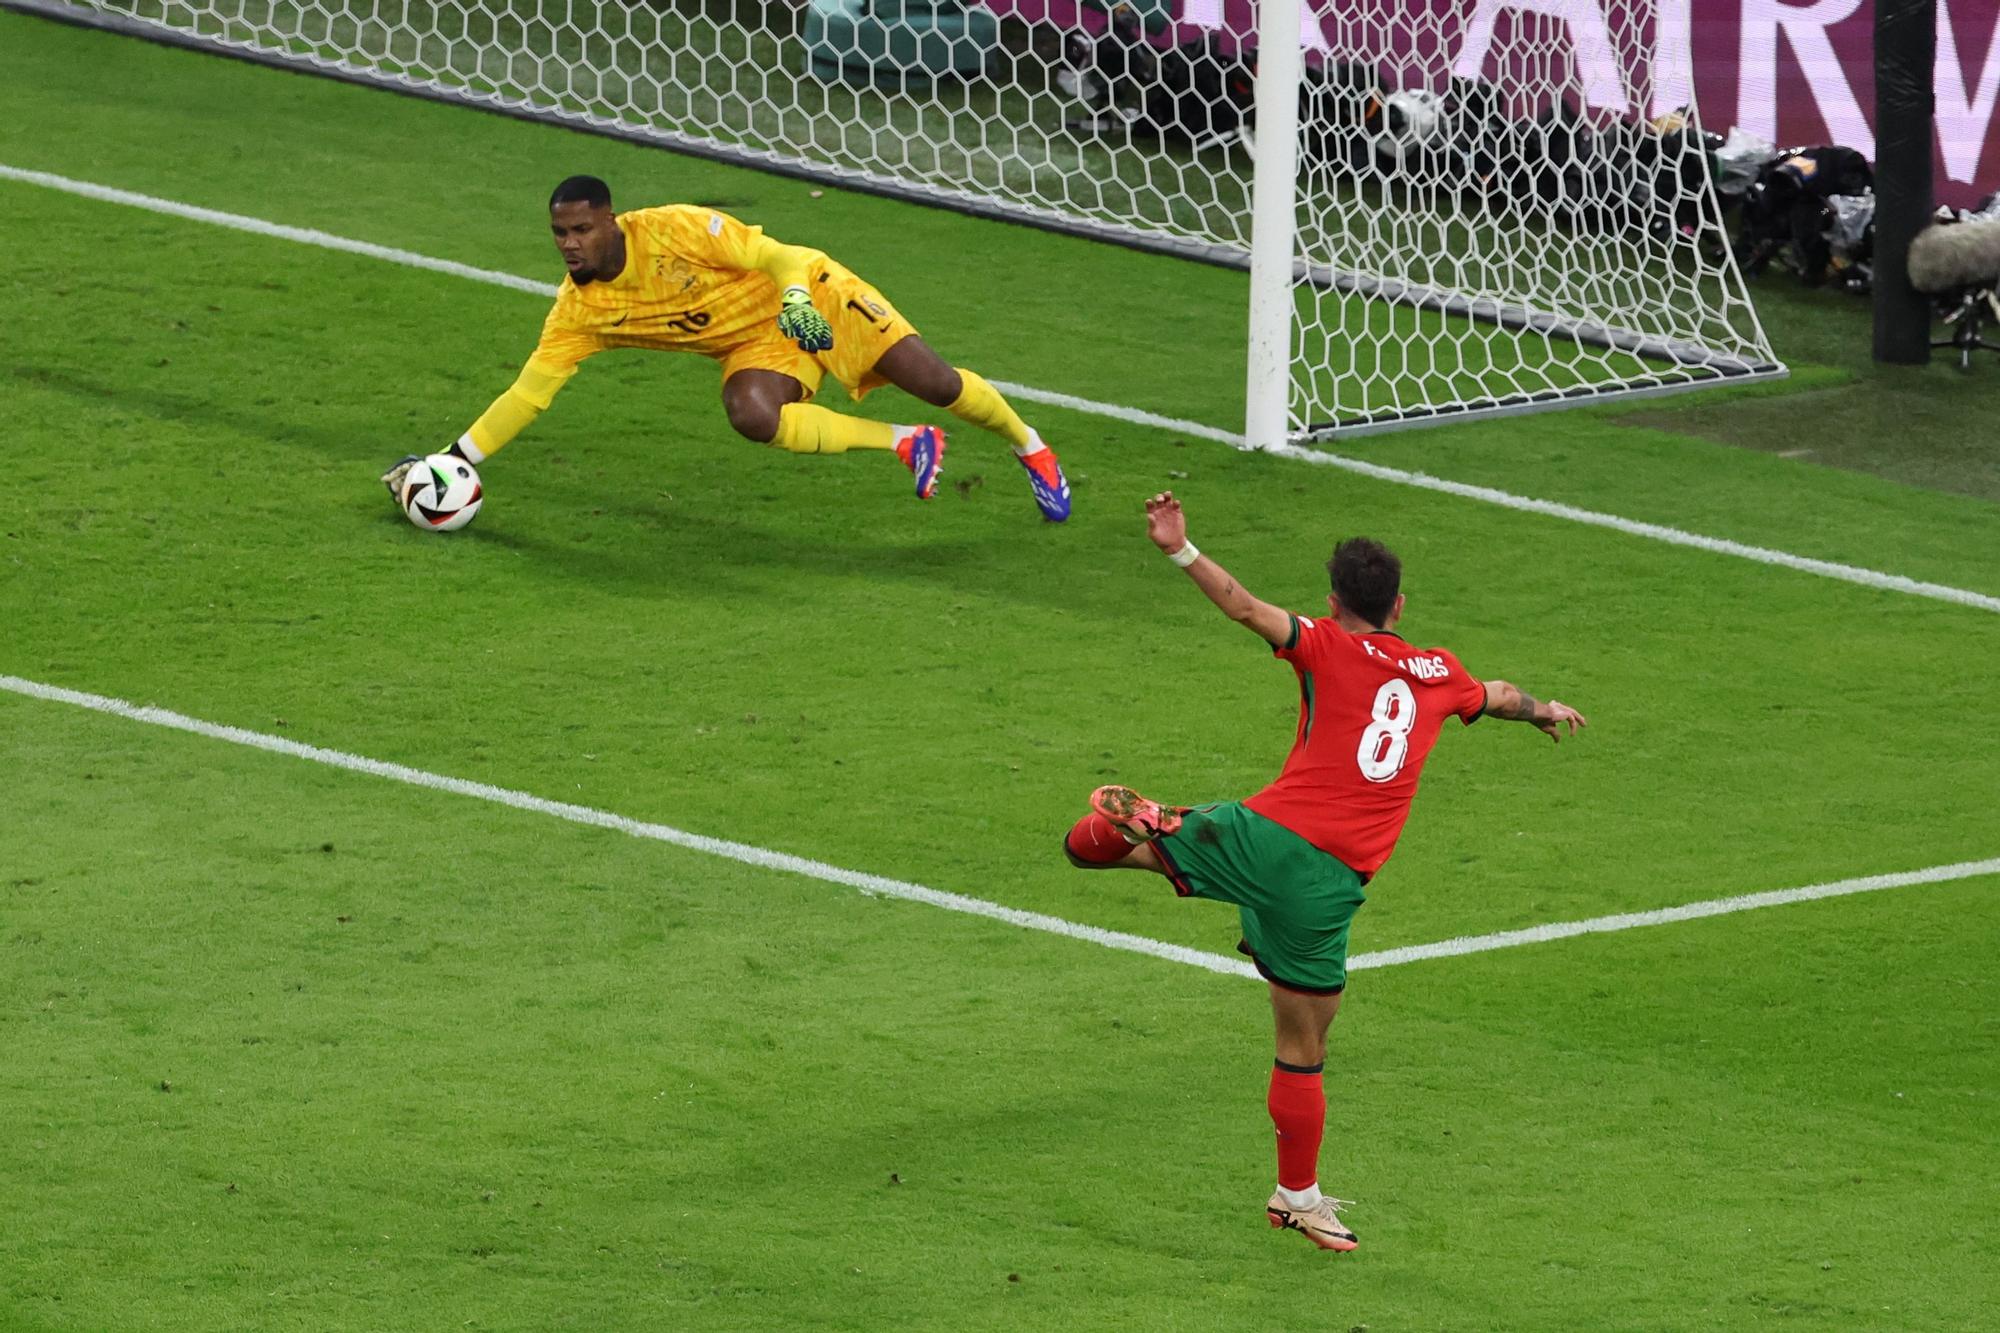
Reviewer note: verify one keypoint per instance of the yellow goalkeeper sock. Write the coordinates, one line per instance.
(805, 429)
(981, 404)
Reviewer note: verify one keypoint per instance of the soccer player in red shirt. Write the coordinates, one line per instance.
(1295, 856)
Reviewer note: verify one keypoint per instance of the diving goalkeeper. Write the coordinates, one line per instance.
(683, 278)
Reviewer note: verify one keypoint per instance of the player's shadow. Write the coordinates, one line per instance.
(727, 560)
(686, 554)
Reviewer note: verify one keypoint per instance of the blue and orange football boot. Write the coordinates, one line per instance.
(922, 452)
(1046, 480)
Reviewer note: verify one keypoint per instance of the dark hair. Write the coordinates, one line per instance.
(1366, 576)
(582, 190)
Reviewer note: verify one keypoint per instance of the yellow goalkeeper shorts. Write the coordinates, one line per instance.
(864, 324)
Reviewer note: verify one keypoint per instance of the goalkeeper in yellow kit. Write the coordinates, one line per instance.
(778, 317)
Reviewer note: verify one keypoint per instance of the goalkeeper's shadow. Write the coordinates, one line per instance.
(683, 555)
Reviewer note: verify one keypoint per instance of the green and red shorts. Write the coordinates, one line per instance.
(1295, 900)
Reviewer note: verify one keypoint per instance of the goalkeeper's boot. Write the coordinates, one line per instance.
(1139, 819)
(1319, 1224)
(400, 469)
(922, 452)
(1046, 480)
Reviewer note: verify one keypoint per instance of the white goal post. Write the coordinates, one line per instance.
(1447, 208)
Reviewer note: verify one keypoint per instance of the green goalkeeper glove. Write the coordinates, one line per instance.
(801, 323)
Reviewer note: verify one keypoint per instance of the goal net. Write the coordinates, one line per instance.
(1502, 205)
(1497, 205)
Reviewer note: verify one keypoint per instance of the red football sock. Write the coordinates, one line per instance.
(1097, 840)
(1298, 1108)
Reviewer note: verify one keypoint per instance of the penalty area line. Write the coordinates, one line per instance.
(881, 886)
(1830, 569)
(744, 853)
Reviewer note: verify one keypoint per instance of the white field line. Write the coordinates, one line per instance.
(303, 235)
(953, 902)
(581, 814)
(1604, 925)
(1867, 578)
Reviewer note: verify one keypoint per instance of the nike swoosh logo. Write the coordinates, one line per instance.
(620, 320)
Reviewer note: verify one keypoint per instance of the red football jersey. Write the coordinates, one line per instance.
(1370, 707)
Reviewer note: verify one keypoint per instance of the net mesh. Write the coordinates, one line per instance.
(1521, 187)
(1486, 217)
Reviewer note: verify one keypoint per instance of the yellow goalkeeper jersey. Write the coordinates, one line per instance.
(695, 280)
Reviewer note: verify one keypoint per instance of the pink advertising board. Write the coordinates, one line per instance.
(1792, 71)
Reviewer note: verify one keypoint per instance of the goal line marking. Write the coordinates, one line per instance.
(1764, 555)
(881, 886)
(1868, 578)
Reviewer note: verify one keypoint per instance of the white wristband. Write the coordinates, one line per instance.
(1186, 556)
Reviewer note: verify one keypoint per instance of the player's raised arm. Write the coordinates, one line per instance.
(1511, 703)
(1167, 526)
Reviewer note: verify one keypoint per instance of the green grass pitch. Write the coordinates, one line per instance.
(288, 1047)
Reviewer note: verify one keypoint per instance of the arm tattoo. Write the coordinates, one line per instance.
(1523, 709)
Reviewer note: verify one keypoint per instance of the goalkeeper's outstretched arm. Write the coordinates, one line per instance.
(507, 416)
(512, 412)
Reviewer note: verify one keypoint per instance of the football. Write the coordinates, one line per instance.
(441, 493)
(1412, 122)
